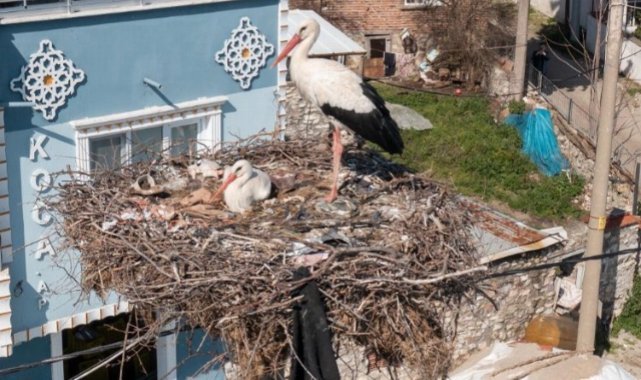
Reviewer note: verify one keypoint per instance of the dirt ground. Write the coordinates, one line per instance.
(626, 350)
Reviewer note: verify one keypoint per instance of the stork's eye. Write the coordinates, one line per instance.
(303, 29)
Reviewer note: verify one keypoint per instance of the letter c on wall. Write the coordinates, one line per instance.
(40, 215)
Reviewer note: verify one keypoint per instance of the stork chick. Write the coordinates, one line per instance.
(206, 168)
(243, 185)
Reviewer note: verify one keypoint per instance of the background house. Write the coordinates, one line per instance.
(583, 17)
(86, 85)
(378, 26)
(434, 39)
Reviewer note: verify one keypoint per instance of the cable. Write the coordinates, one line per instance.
(510, 272)
(89, 351)
(515, 271)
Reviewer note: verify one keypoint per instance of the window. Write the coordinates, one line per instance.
(107, 152)
(377, 47)
(142, 145)
(141, 366)
(378, 44)
(421, 3)
(185, 128)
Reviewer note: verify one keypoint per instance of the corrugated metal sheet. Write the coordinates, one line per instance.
(72, 321)
(5, 313)
(331, 40)
(6, 343)
(498, 236)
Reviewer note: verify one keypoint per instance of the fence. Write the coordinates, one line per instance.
(579, 118)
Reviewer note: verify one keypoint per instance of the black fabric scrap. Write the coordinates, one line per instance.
(315, 358)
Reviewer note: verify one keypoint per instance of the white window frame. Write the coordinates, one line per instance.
(206, 112)
(421, 3)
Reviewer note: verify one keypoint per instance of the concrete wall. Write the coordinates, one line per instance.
(630, 57)
(552, 8)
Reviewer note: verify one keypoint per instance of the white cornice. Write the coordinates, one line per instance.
(94, 8)
(151, 115)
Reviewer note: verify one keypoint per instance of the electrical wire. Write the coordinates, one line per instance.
(89, 351)
(567, 261)
(510, 272)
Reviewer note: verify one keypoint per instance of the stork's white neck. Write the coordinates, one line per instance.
(245, 177)
(301, 52)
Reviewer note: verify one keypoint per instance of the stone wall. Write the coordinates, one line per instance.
(303, 119)
(509, 303)
(617, 273)
(306, 121)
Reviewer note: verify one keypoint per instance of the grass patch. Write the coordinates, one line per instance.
(468, 150)
(630, 318)
(632, 91)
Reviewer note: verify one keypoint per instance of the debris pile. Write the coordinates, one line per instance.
(394, 245)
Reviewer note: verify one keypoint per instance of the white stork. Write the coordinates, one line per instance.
(341, 95)
(244, 185)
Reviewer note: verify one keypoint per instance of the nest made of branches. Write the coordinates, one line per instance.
(395, 244)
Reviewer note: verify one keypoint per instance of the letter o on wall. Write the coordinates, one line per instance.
(41, 180)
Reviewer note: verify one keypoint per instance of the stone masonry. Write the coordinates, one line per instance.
(506, 308)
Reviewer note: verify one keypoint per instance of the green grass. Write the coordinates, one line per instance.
(479, 158)
(630, 318)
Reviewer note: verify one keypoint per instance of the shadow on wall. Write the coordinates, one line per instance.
(24, 295)
(615, 273)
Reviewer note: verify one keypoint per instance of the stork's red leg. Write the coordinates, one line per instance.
(337, 149)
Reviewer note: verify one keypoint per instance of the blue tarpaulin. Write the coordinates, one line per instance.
(539, 141)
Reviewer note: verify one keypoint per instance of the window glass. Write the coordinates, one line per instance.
(184, 139)
(377, 47)
(146, 144)
(106, 152)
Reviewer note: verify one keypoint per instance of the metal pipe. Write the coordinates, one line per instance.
(17, 104)
(152, 83)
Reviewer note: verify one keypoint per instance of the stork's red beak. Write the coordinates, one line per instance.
(228, 181)
(290, 45)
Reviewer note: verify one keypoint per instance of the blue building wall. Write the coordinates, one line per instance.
(190, 359)
(33, 352)
(175, 47)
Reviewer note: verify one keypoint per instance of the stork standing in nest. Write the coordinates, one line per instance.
(342, 96)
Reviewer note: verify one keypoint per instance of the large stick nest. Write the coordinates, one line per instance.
(396, 243)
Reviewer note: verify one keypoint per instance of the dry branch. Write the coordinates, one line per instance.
(398, 250)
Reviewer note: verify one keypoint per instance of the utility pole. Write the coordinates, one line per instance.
(596, 225)
(520, 52)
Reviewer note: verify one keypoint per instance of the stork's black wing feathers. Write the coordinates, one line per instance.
(376, 126)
